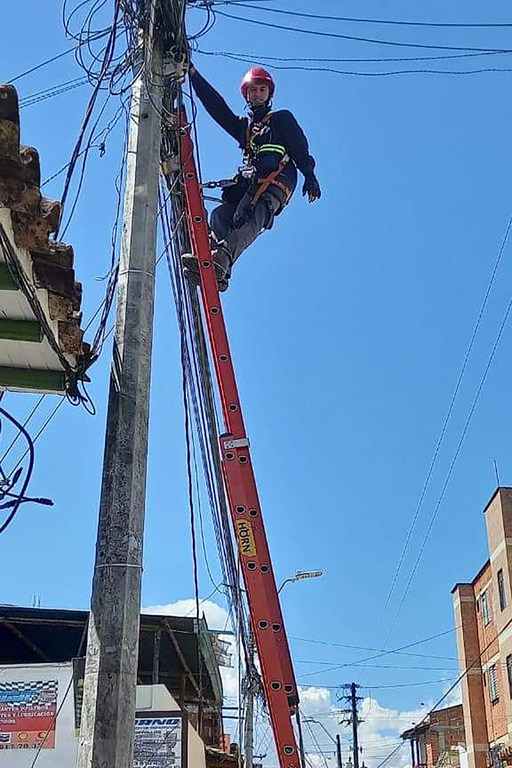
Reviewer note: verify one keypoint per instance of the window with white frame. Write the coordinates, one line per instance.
(493, 683)
(486, 609)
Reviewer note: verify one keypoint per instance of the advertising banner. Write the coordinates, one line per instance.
(36, 716)
(28, 714)
(160, 740)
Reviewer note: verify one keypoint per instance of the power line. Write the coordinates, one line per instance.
(369, 648)
(408, 685)
(50, 93)
(375, 666)
(439, 443)
(401, 23)
(371, 688)
(353, 73)
(384, 653)
(447, 693)
(361, 39)
(315, 742)
(265, 57)
(452, 464)
(57, 56)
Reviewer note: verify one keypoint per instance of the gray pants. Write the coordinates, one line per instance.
(237, 240)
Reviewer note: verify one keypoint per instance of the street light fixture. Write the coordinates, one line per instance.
(301, 576)
(249, 716)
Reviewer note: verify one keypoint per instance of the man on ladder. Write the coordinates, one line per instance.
(273, 146)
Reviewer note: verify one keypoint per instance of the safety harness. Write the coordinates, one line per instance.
(252, 149)
(247, 169)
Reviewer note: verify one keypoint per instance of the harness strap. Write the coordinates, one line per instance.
(267, 181)
(253, 130)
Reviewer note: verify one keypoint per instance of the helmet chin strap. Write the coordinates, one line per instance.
(251, 108)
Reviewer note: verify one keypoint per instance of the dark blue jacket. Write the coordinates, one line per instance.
(280, 130)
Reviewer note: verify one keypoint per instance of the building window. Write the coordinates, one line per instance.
(493, 683)
(486, 613)
(509, 674)
(501, 590)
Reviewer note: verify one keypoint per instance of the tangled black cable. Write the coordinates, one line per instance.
(109, 69)
(198, 373)
(7, 485)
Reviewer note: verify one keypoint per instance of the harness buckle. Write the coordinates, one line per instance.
(247, 170)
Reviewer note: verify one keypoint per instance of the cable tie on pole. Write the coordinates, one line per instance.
(119, 565)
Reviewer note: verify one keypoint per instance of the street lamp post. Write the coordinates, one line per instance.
(336, 741)
(250, 692)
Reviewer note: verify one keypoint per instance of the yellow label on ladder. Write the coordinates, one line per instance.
(245, 538)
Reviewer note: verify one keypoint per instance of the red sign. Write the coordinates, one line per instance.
(28, 714)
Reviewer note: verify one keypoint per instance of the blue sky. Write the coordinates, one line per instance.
(349, 323)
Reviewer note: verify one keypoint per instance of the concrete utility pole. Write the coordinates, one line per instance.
(353, 719)
(338, 751)
(108, 714)
(355, 723)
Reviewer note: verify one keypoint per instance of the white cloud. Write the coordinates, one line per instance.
(216, 616)
(379, 734)
(313, 700)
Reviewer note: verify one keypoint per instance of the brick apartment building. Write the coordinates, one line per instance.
(483, 618)
(439, 741)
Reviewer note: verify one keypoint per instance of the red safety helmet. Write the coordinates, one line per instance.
(257, 75)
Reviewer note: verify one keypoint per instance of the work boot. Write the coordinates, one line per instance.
(193, 278)
(222, 262)
(189, 262)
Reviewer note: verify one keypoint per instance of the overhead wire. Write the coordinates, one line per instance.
(50, 93)
(383, 653)
(463, 434)
(441, 437)
(351, 60)
(199, 385)
(354, 73)
(109, 74)
(45, 63)
(370, 648)
(315, 742)
(376, 41)
(200, 419)
(362, 20)
(463, 674)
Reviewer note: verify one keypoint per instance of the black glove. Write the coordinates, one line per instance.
(311, 188)
(244, 211)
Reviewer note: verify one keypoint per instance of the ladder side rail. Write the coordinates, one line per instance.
(266, 617)
(200, 241)
(238, 454)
